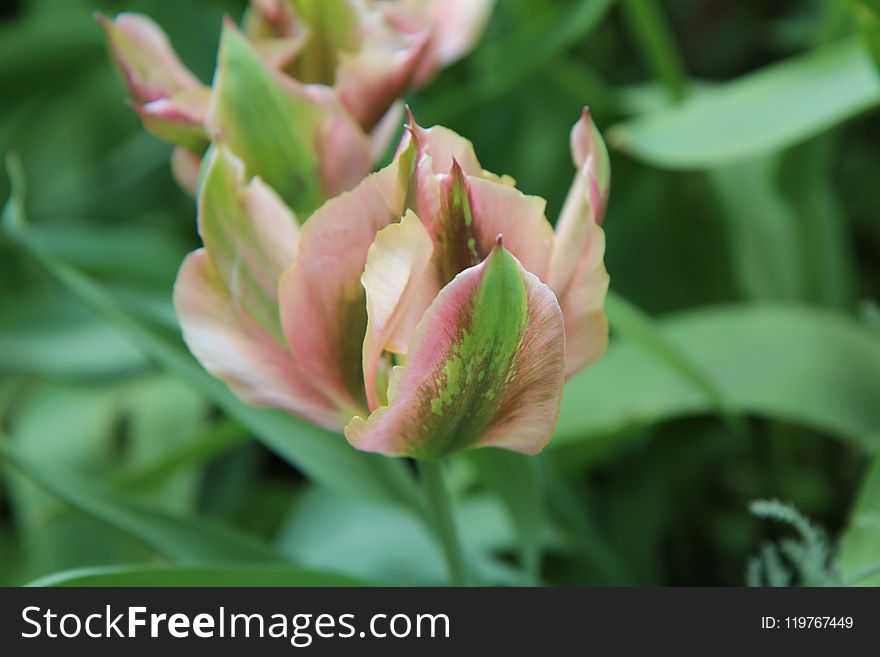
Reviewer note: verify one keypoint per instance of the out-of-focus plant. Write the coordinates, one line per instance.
(807, 560)
(430, 309)
(742, 242)
(307, 95)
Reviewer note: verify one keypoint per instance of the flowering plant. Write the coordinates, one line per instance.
(430, 309)
(421, 310)
(314, 82)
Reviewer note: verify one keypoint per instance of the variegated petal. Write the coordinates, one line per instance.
(583, 304)
(323, 304)
(369, 81)
(233, 348)
(486, 367)
(251, 236)
(283, 130)
(144, 55)
(577, 271)
(456, 26)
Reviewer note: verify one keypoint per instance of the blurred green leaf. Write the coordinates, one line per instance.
(859, 556)
(159, 415)
(226, 574)
(636, 327)
(139, 254)
(793, 364)
(177, 538)
(868, 17)
(773, 108)
(43, 333)
(515, 479)
(361, 538)
(206, 444)
(766, 239)
(381, 543)
(47, 42)
(806, 177)
(322, 455)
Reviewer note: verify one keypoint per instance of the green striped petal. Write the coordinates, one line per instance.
(236, 350)
(226, 293)
(485, 368)
(297, 138)
(250, 235)
(171, 101)
(144, 56)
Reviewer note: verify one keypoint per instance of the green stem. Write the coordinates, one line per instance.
(440, 510)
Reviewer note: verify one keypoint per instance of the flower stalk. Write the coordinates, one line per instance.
(440, 511)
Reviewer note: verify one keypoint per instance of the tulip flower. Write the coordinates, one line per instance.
(324, 75)
(430, 309)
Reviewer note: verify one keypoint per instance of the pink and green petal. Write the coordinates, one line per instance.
(393, 279)
(583, 304)
(171, 101)
(499, 209)
(443, 146)
(344, 153)
(334, 27)
(236, 350)
(250, 235)
(456, 26)
(473, 212)
(385, 131)
(185, 166)
(178, 120)
(583, 205)
(276, 32)
(278, 127)
(485, 368)
(323, 304)
(591, 156)
(144, 55)
(575, 223)
(369, 81)
(265, 19)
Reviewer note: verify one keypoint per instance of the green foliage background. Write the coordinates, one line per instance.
(743, 242)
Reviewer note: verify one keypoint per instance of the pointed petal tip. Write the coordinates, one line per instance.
(413, 128)
(410, 117)
(458, 171)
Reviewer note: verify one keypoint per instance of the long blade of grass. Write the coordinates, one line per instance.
(177, 539)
